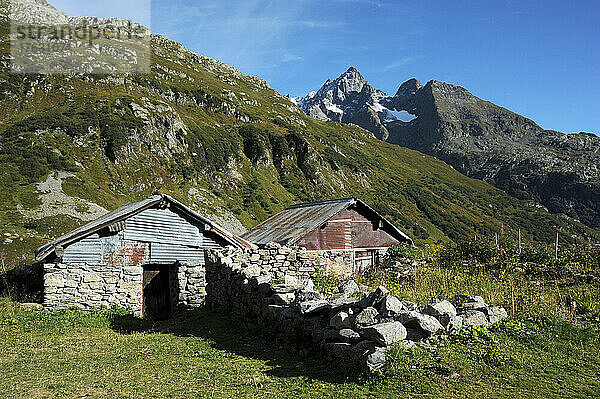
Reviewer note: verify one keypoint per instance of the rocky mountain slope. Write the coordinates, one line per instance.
(478, 138)
(75, 145)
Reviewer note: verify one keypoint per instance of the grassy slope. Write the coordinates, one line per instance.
(45, 125)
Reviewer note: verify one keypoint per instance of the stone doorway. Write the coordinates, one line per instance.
(156, 291)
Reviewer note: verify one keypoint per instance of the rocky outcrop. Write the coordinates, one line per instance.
(349, 326)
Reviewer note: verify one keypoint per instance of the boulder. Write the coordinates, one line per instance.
(468, 302)
(303, 296)
(349, 335)
(391, 306)
(374, 298)
(474, 318)
(342, 303)
(348, 287)
(341, 320)
(308, 285)
(366, 317)
(375, 360)
(428, 324)
(284, 298)
(313, 306)
(408, 305)
(450, 323)
(415, 334)
(340, 350)
(495, 314)
(385, 334)
(439, 308)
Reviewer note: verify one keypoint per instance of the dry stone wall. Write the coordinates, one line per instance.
(354, 327)
(92, 286)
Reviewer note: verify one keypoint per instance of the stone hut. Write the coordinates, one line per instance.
(346, 226)
(147, 256)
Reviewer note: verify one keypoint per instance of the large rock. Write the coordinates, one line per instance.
(314, 306)
(451, 323)
(366, 317)
(428, 324)
(308, 296)
(439, 308)
(342, 320)
(374, 298)
(284, 298)
(375, 360)
(385, 334)
(391, 306)
(468, 302)
(349, 335)
(474, 318)
(348, 287)
(495, 314)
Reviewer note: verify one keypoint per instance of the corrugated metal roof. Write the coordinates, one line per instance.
(295, 222)
(129, 210)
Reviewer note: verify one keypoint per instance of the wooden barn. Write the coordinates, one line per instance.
(147, 256)
(343, 224)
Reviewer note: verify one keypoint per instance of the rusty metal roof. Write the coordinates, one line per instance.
(295, 222)
(129, 210)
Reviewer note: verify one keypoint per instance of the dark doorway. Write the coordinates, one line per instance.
(156, 292)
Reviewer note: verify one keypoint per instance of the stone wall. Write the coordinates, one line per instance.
(298, 262)
(188, 281)
(92, 286)
(353, 326)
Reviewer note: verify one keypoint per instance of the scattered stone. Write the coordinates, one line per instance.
(391, 306)
(474, 318)
(366, 317)
(495, 314)
(415, 334)
(439, 308)
(348, 287)
(341, 320)
(349, 335)
(385, 334)
(251, 271)
(314, 306)
(374, 298)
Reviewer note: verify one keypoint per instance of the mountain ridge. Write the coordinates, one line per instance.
(488, 142)
(227, 145)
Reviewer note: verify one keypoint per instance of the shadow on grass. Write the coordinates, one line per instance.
(225, 334)
(23, 284)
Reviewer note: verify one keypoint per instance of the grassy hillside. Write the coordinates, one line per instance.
(227, 145)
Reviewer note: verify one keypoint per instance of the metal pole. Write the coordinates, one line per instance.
(519, 241)
(496, 240)
(556, 248)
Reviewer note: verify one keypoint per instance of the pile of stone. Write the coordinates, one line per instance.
(352, 326)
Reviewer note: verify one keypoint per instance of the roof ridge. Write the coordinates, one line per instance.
(332, 201)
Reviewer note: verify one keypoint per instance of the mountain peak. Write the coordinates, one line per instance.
(409, 87)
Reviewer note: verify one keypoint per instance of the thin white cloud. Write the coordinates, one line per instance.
(290, 57)
(401, 62)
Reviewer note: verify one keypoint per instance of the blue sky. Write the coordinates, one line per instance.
(538, 58)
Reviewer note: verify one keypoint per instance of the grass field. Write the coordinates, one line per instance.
(203, 354)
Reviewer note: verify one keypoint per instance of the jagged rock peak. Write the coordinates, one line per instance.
(351, 80)
(409, 87)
